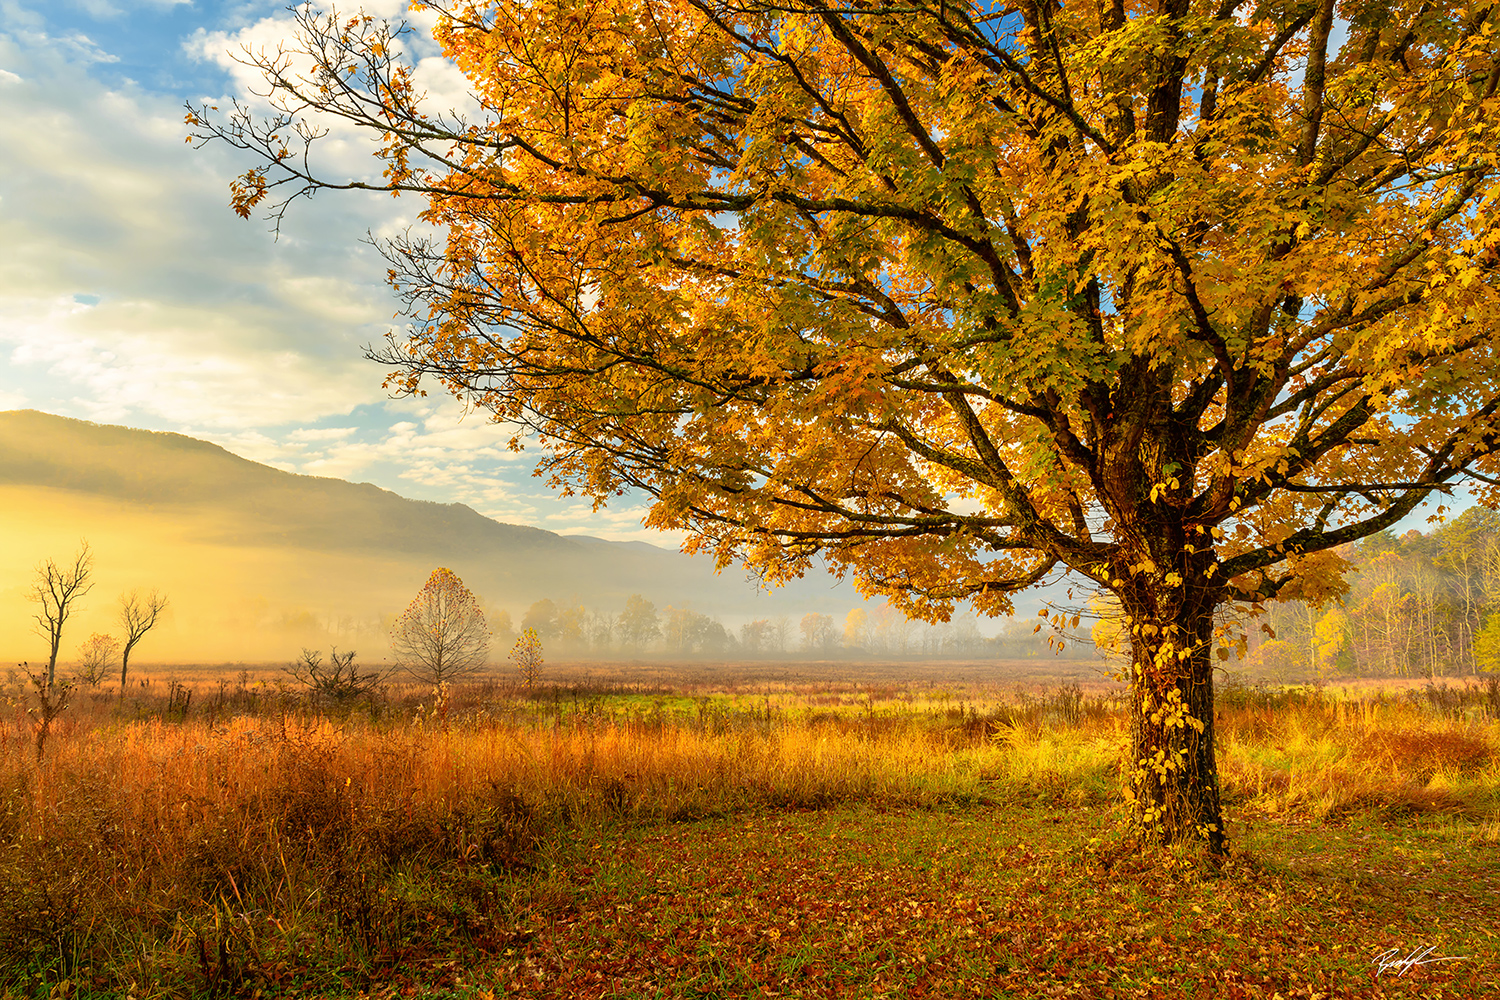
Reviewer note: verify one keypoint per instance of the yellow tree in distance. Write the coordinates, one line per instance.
(527, 656)
(1174, 297)
(441, 636)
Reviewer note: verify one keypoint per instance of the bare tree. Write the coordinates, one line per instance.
(781, 633)
(442, 635)
(817, 633)
(95, 657)
(57, 589)
(138, 615)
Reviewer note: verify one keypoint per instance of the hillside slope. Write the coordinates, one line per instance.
(259, 561)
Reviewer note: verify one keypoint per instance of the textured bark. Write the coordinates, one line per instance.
(1173, 773)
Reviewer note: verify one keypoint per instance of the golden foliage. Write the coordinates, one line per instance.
(952, 299)
(949, 297)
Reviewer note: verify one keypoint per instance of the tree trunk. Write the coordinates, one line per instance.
(52, 660)
(1173, 777)
(124, 667)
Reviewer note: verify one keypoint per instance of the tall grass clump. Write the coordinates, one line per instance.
(185, 854)
(1327, 754)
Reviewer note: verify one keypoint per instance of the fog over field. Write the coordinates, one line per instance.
(258, 562)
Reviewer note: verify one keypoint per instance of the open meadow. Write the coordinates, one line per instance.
(737, 830)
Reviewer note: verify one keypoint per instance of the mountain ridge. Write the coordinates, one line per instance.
(31, 441)
(257, 547)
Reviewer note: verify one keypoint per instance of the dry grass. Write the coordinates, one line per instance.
(178, 845)
(1429, 750)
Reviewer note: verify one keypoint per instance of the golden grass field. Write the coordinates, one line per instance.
(219, 833)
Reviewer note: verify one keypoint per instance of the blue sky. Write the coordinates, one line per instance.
(131, 294)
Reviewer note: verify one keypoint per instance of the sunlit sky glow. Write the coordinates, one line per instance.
(131, 294)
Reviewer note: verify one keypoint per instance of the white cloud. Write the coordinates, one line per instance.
(17, 17)
(129, 293)
(84, 48)
(201, 318)
(320, 433)
(103, 9)
(98, 8)
(622, 523)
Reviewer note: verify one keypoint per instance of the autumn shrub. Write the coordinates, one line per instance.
(96, 658)
(1426, 752)
(339, 683)
(527, 656)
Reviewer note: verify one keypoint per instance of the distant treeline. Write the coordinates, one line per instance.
(641, 629)
(1418, 605)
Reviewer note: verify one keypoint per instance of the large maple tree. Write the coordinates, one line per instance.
(1175, 296)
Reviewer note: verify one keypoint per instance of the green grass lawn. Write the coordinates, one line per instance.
(997, 901)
